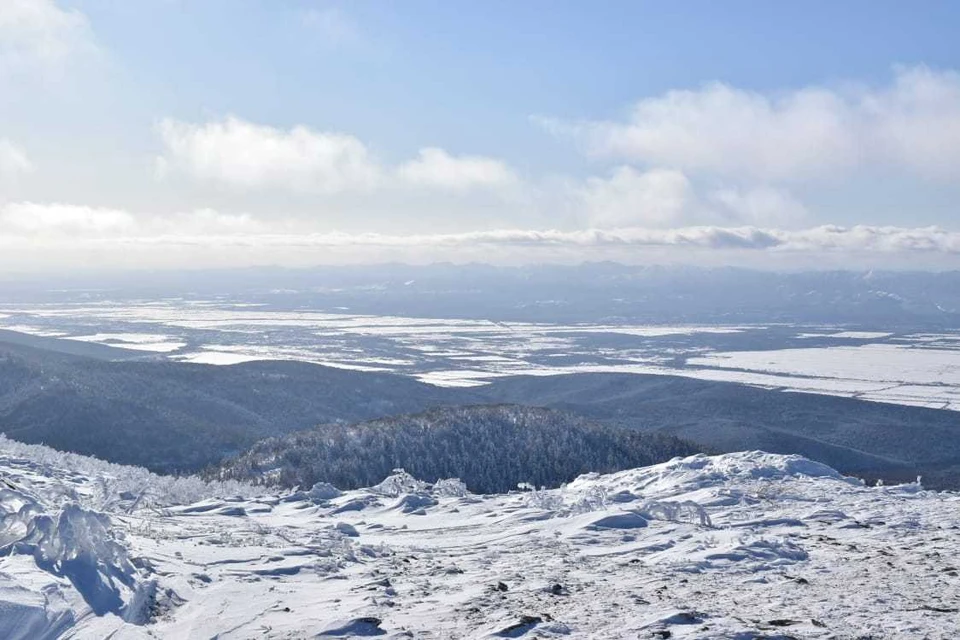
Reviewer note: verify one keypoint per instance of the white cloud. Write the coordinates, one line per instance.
(758, 206)
(917, 122)
(37, 34)
(436, 168)
(34, 219)
(13, 161)
(630, 198)
(703, 237)
(729, 131)
(204, 221)
(245, 155)
(867, 238)
(829, 238)
(36, 223)
(813, 132)
(661, 198)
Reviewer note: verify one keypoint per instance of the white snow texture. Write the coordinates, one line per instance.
(743, 545)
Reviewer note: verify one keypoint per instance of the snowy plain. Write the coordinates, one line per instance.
(738, 546)
(886, 372)
(909, 368)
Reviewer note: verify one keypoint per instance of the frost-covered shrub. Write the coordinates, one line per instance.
(75, 543)
(398, 483)
(114, 480)
(541, 498)
(685, 511)
(593, 499)
(450, 488)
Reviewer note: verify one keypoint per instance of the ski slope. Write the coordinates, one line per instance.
(743, 545)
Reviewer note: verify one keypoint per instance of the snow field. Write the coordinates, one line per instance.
(743, 545)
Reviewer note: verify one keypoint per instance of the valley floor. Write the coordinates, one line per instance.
(745, 545)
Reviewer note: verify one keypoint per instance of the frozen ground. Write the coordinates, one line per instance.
(740, 546)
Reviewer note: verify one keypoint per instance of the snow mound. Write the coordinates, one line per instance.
(398, 483)
(687, 475)
(761, 554)
(415, 503)
(362, 627)
(622, 520)
(323, 491)
(347, 529)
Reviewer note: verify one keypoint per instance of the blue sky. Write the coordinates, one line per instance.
(235, 132)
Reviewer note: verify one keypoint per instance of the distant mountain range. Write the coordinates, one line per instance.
(549, 293)
(175, 417)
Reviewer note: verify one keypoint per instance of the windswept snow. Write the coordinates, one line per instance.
(745, 545)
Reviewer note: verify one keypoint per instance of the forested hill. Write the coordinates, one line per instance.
(869, 439)
(171, 416)
(491, 448)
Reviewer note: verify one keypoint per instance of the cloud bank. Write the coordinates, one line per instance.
(56, 223)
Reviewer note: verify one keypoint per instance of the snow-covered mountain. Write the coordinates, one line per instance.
(742, 545)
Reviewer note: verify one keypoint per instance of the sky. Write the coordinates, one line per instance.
(219, 133)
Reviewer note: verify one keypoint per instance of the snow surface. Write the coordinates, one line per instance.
(896, 373)
(136, 341)
(34, 331)
(216, 357)
(743, 545)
